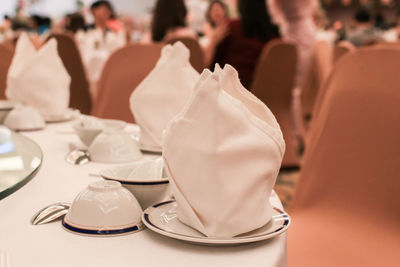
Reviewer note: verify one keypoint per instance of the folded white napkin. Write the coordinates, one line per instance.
(38, 78)
(223, 153)
(163, 93)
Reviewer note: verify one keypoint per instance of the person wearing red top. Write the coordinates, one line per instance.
(246, 39)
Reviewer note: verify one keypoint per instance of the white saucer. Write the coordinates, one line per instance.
(162, 218)
(144, 148)
(70, 114)
(121, 174)
(101, 232)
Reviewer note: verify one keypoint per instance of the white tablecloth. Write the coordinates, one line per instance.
(50, 245)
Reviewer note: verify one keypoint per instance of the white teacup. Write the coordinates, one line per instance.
(113, 146)
(104, 208)
(24, 118)
(88, 132)
(146, 180)
(5, 107)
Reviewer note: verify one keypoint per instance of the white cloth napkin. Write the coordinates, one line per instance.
(163, 93)
(38, 78)
(223, 153)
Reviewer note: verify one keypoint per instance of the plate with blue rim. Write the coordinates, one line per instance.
(162, 218)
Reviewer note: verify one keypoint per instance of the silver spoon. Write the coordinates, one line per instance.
(50, 213)
(78, 157)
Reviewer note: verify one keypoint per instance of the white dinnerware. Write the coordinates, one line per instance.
(104, 208)
(69, 114)
(5, 107)
(146, 180)
(24, 118)
(162, 218)
(114, 146)
(88, 129)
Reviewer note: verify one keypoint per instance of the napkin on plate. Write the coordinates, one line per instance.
(163, 93)
(38, 78)
(223, 152)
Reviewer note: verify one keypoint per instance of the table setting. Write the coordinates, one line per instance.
(190, 184)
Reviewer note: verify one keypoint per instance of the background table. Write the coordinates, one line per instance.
(50, 245)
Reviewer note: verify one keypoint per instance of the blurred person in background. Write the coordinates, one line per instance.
(104, 17)
(40, 24)
(170, 22)
(363, 32)
(296, 22)
(246, 39)
(75, 22)
(217, 14)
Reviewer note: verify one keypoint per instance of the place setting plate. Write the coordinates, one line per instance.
(162, 218)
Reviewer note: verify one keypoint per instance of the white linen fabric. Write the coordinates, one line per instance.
(96, 47)
(38, 78)
(163, 93)
(223, 153)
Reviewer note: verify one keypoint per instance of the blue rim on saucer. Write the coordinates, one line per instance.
(121, 231)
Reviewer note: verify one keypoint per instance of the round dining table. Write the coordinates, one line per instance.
(23, 244)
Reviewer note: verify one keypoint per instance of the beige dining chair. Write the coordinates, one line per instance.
(122, 73)
(274, 80)
(196, 53)
(79, 89)
(6, 56)
(320, 67)
(341, 49)
(346, 206)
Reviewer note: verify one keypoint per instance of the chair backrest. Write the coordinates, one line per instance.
(273, 82)
(387, 45)
(196, 53)
(341, 49)
(79, 89)
(320, 68)
(6, 56)
(352, 161)
(122, 73)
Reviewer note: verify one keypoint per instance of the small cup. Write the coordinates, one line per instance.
(24, 118)
(104, 208)
(114, 147)
(145, 180)
(88, 133)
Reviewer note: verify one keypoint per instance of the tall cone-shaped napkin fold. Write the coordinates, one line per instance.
(38, 78)
(163, 93)
(223, 152)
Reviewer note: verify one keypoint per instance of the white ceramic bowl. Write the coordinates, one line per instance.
(114, 147)
(24, 118)
(104, 208)
(5, 107)
(88, 134)
(148, 189)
